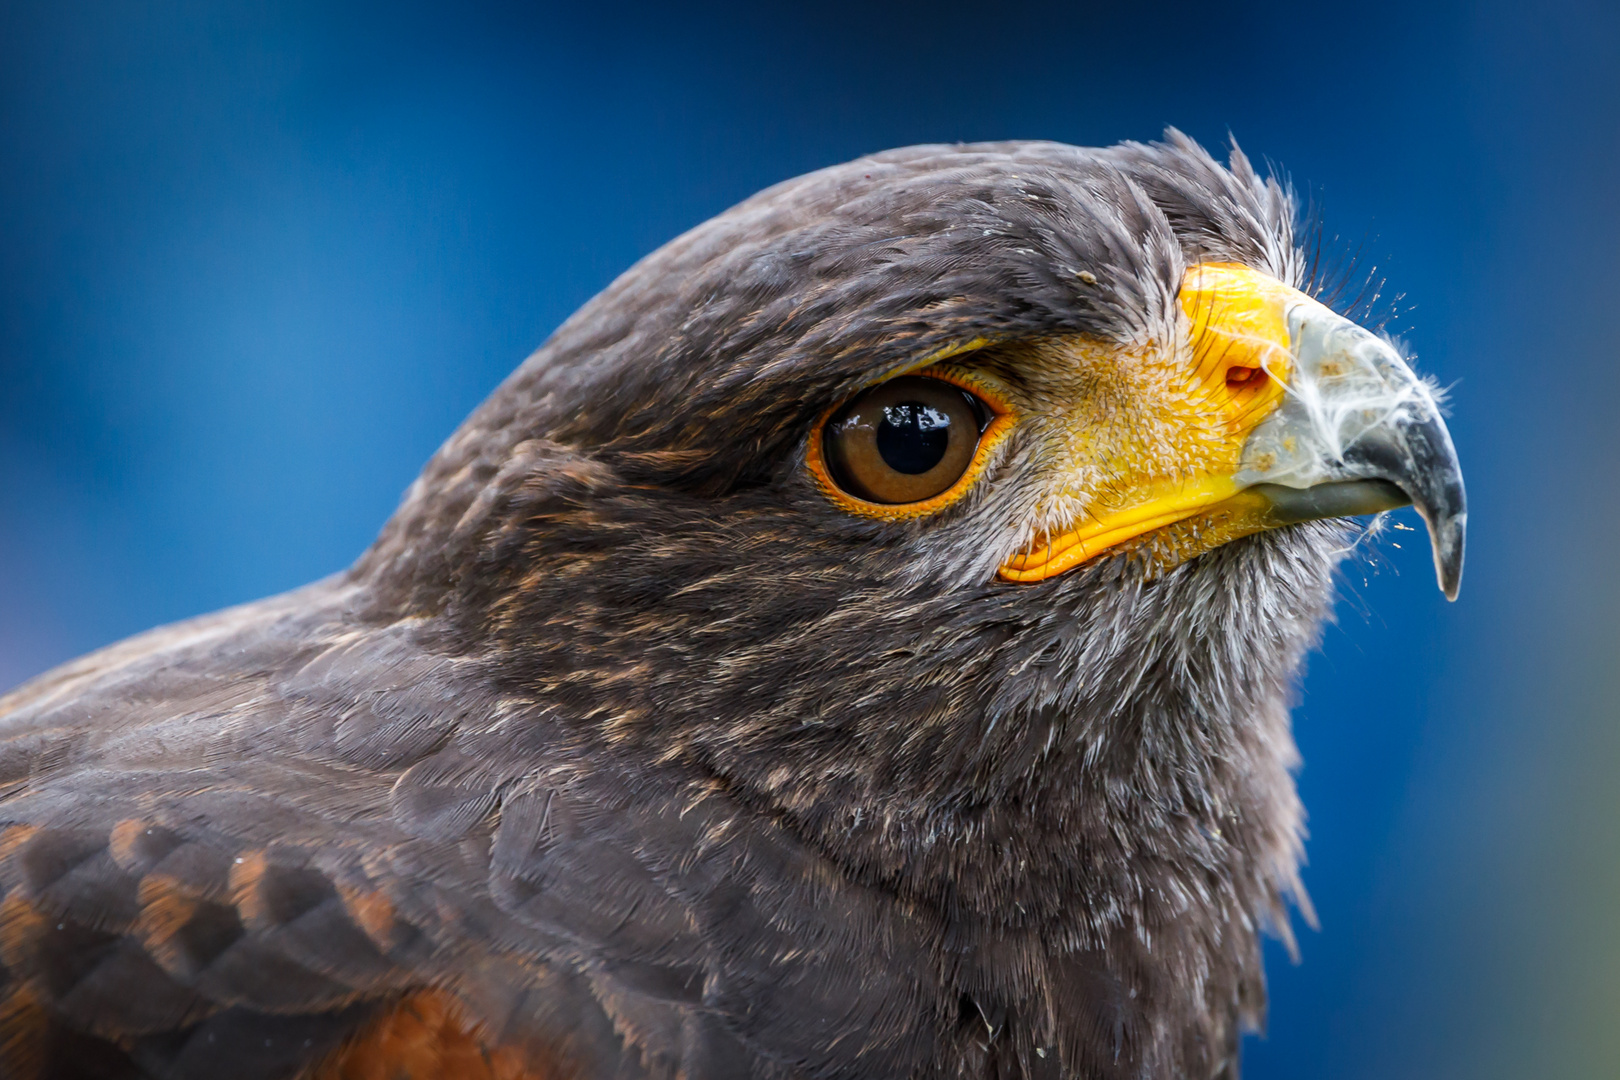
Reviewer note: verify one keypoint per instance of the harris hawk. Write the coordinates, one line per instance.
(859, 643)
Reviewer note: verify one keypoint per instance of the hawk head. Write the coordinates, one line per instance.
(965, 512)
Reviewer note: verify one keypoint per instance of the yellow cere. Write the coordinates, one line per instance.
(1153, 435)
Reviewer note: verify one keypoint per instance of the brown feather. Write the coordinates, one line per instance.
(427, 1036)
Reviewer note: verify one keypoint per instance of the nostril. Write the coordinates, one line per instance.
(1239, 377)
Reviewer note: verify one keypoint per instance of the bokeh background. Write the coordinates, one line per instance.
(257, 260)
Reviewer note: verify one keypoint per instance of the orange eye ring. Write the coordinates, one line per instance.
(1002, 418)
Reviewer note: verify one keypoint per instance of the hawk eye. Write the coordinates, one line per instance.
(905, 440)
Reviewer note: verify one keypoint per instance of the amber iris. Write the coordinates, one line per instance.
(904, 441)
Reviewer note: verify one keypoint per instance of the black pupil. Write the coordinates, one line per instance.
(913, 437)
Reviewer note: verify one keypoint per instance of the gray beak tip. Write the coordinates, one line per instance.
(1451, 586)
(1446, 537)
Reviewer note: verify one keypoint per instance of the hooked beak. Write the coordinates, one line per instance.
(1345, 427)
(1357, 432)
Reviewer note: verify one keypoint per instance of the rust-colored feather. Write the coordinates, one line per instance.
(425, 1037)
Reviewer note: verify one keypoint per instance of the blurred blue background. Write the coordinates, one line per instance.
(257, 260)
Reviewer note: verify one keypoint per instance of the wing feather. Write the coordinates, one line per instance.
(280, 826)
